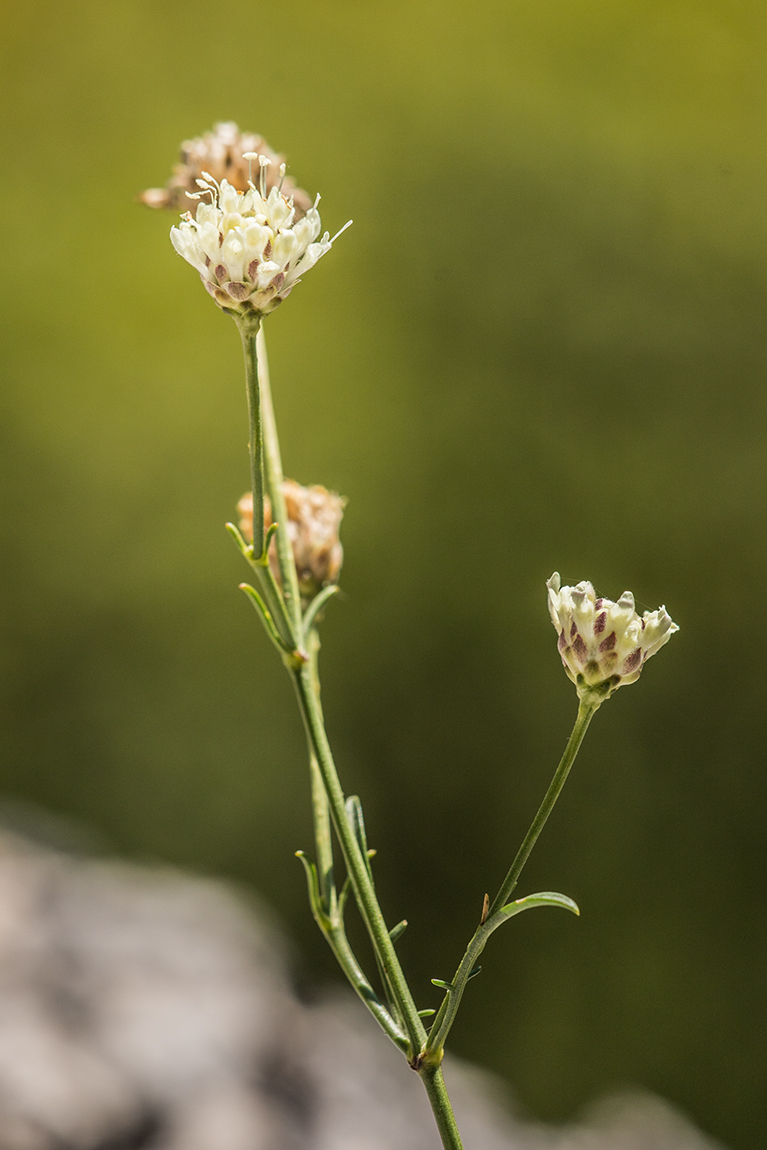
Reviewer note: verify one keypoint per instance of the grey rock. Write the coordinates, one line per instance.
(144, 1008)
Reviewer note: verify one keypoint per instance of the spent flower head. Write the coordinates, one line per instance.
(221, 153)
(603, 644)
(249, 247)
(314, 518)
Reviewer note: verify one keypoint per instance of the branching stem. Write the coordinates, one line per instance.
(328, 801)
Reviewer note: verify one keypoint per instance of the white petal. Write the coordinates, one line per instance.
(209, 243)
(266, 273)
(313, 253)
(229, 198)
(285, 246)
(233, 254)
(185, 244)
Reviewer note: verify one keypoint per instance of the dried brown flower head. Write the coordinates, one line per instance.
(314, 518)
(220, 154)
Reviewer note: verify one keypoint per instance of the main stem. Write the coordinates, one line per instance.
(274, 478)
(305, 680)
(436, 1090)
(430, 1074)
(355, 864)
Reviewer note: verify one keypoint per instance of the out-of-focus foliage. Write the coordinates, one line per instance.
(541, 345)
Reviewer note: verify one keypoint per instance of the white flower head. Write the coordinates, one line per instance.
(603, 644)
(248, 247)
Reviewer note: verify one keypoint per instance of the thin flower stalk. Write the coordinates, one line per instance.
(273, 478)
(494, 916)
(305, 681)
(249, 333)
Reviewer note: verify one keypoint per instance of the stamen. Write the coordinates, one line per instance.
(348, 224)
(206, 190)
(211, 187)
(250, 157)
(265, 162)
(283, 170)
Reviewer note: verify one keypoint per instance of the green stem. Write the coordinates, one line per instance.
(355, 864)
(331, 920)
(305, 678)
(275, 601)
(434, 1048)
(432, 1078)
(412, 1035)
(274, 477)
(320, 810)
(249, 333)
(445, 1017)
(586, 712)
(339, 944)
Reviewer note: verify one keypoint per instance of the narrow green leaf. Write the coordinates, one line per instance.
(357, 823)
(313, 883)
(263, 559)
(476, 970)
(343, 896)
(545, 898)
(426, 1013)
(442, 985)
(316, 605)
(244, 548)
(266, 618)
(398, 930)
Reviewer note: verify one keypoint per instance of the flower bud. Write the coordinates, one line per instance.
(314, 518)
(221, 153)
(603, 644)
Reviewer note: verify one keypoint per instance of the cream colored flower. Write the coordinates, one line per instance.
(604, 644)
(314, 517)
(248, 247)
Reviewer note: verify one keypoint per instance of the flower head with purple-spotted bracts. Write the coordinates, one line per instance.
(249, 247)
(603, 644)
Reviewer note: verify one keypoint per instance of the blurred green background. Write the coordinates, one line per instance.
(540, 346)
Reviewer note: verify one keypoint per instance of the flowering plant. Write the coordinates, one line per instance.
(250, 244)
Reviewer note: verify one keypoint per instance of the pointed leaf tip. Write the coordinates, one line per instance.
(398, 930)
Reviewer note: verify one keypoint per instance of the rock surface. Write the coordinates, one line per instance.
(144, 1008)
